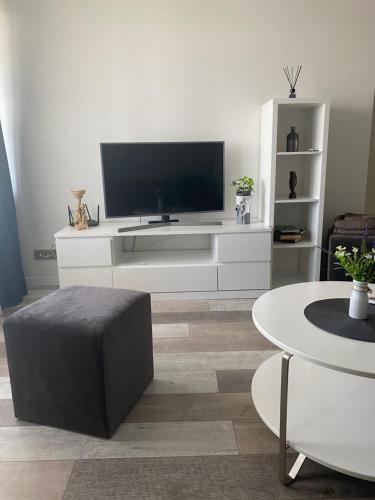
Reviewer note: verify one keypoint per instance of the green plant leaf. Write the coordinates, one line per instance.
(244, 184)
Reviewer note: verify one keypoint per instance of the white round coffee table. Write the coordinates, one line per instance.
(318, 395)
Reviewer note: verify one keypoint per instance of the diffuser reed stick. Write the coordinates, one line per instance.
(292, 79)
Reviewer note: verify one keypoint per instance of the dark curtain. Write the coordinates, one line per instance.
(12, 279)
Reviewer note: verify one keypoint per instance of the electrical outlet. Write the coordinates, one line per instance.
(45, 254)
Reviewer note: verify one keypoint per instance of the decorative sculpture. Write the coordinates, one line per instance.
(292, 185)
(80, 215)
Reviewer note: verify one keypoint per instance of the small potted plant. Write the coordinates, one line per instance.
(360, 265)
(244, 187)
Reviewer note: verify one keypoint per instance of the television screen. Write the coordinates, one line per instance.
(162, 178)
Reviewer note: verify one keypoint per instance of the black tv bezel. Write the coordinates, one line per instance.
(159, 213)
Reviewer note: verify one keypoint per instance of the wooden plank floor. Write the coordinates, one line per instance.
(194, 434)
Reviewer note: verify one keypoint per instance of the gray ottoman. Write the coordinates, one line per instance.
(80, 358)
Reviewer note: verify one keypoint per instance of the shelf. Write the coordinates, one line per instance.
(165, 258)
(110, 229)
(298, 102)
(300, 199)
(298, 153)
(299, 244)
(317, 401)
(286, 278)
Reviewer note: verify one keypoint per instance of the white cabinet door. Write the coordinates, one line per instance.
(250, 247)
(94, 276)
(244, 276)
(83, 252)
(164, 279)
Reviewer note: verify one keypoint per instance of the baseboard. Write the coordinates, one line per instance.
(40, 282)
(214, 295)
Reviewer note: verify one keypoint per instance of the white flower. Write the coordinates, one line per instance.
(355, 250)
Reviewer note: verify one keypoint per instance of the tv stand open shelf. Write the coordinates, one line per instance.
(171, 262)
(161, 258)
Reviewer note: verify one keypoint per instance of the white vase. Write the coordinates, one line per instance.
(358, 307)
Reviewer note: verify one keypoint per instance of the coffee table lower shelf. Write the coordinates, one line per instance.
(331, 414)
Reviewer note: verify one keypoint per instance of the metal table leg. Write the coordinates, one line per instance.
(286, 477)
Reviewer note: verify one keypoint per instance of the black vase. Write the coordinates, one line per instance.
(292, 141)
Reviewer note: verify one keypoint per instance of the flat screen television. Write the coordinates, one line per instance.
(162, 178)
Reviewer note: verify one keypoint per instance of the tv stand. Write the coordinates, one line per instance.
(170, 260)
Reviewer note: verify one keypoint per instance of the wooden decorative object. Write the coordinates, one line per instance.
(292, 185)
(80, 215)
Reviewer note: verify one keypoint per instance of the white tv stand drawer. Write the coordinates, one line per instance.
(166, 279)
(84, 252)
(243, 247)
(88, 276)
(244, 276)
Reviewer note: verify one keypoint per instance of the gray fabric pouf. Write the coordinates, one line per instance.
(80, 358)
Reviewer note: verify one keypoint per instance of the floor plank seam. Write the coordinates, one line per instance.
(68, 481)
(235, 437)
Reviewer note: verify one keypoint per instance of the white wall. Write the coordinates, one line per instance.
(6, 87)
(122, 70)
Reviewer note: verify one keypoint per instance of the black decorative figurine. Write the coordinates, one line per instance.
(292, 185)
(292, 79)
(292, 141)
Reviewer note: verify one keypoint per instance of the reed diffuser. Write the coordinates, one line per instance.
(292, 79)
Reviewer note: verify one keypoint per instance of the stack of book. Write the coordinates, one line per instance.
(288, 234)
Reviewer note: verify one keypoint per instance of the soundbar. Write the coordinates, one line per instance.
(164, 224)
(143, 226)
(187, 223)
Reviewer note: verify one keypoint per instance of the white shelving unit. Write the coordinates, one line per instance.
(294, 262)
